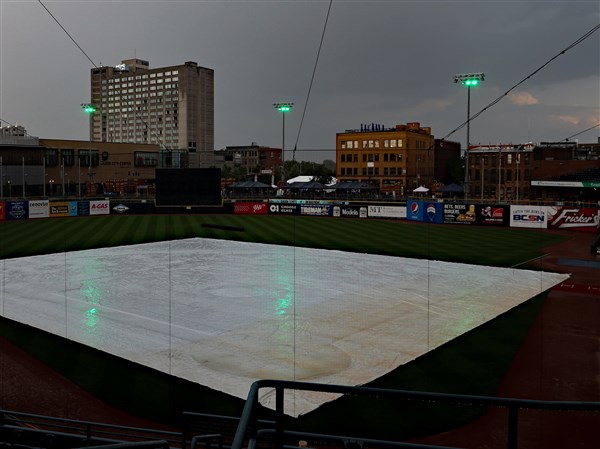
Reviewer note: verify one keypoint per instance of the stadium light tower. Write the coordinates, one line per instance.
(89, 109)
(283, 108)
(469, 80)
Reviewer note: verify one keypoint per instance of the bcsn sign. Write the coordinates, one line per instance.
(528, 216)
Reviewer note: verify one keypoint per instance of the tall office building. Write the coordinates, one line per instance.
(172, 107)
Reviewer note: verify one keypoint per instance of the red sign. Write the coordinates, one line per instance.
(251, 208)
(2, 210)
(573, 218)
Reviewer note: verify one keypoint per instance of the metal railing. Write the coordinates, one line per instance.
(249, 429)
(37, 430)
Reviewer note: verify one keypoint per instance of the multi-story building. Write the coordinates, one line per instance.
(549, 171)
(255, 159)
(397, 159)
(172, 107)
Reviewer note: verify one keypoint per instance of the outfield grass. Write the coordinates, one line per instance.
(467, 244)
(474, 363)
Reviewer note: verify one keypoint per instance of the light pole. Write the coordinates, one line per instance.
(469, 80)
(89, 109)
(283, 108)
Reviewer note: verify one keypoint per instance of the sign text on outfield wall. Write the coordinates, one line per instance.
(528, 217)
(251, 208)
(39, 209)
(375, 211)
(100, 207)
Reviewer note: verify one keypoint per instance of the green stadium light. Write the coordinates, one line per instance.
(283, 107)
(88, 108)
(469, 79)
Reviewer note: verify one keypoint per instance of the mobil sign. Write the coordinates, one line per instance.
(101, 207)
(528, 217)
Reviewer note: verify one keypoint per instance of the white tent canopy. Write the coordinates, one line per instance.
(421, 189)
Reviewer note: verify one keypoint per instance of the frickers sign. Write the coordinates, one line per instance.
(574, 218)
(251, 208)
(100, 207)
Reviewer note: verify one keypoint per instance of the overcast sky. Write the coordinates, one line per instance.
(386, 62)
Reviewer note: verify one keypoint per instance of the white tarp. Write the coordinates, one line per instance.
(225, 314)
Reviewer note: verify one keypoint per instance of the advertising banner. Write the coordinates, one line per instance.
(2, 210)
(283, 209)
(83, 208)
(101, 207)
(492, 215)
(433, 212)
(315, 209)
(73, 208)
(457, 213)
(251, 208)
(375, 211)
(528, 217)
(39, 209)
(573, 218)
(59, 209)
(350, 211)
(138, 208)
(17, 210)
(414, 210)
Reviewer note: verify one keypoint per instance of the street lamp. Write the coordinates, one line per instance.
(469, 80)
(283, 108)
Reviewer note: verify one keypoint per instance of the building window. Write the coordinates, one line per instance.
(393, 143)
(51, 157)
(146, 159)
(87, 157)
(67, 156)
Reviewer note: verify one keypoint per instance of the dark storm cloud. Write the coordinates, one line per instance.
(385, 62)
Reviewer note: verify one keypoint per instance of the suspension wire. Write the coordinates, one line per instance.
(580, 132)
(312, 79)
(129, 103)
(497, 100)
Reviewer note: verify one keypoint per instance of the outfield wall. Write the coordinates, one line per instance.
(457, 213)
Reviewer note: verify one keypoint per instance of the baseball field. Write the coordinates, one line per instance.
(474, 363)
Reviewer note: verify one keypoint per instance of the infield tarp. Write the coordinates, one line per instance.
(224, 314)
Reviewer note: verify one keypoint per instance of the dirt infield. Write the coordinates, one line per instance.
(559, 360)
